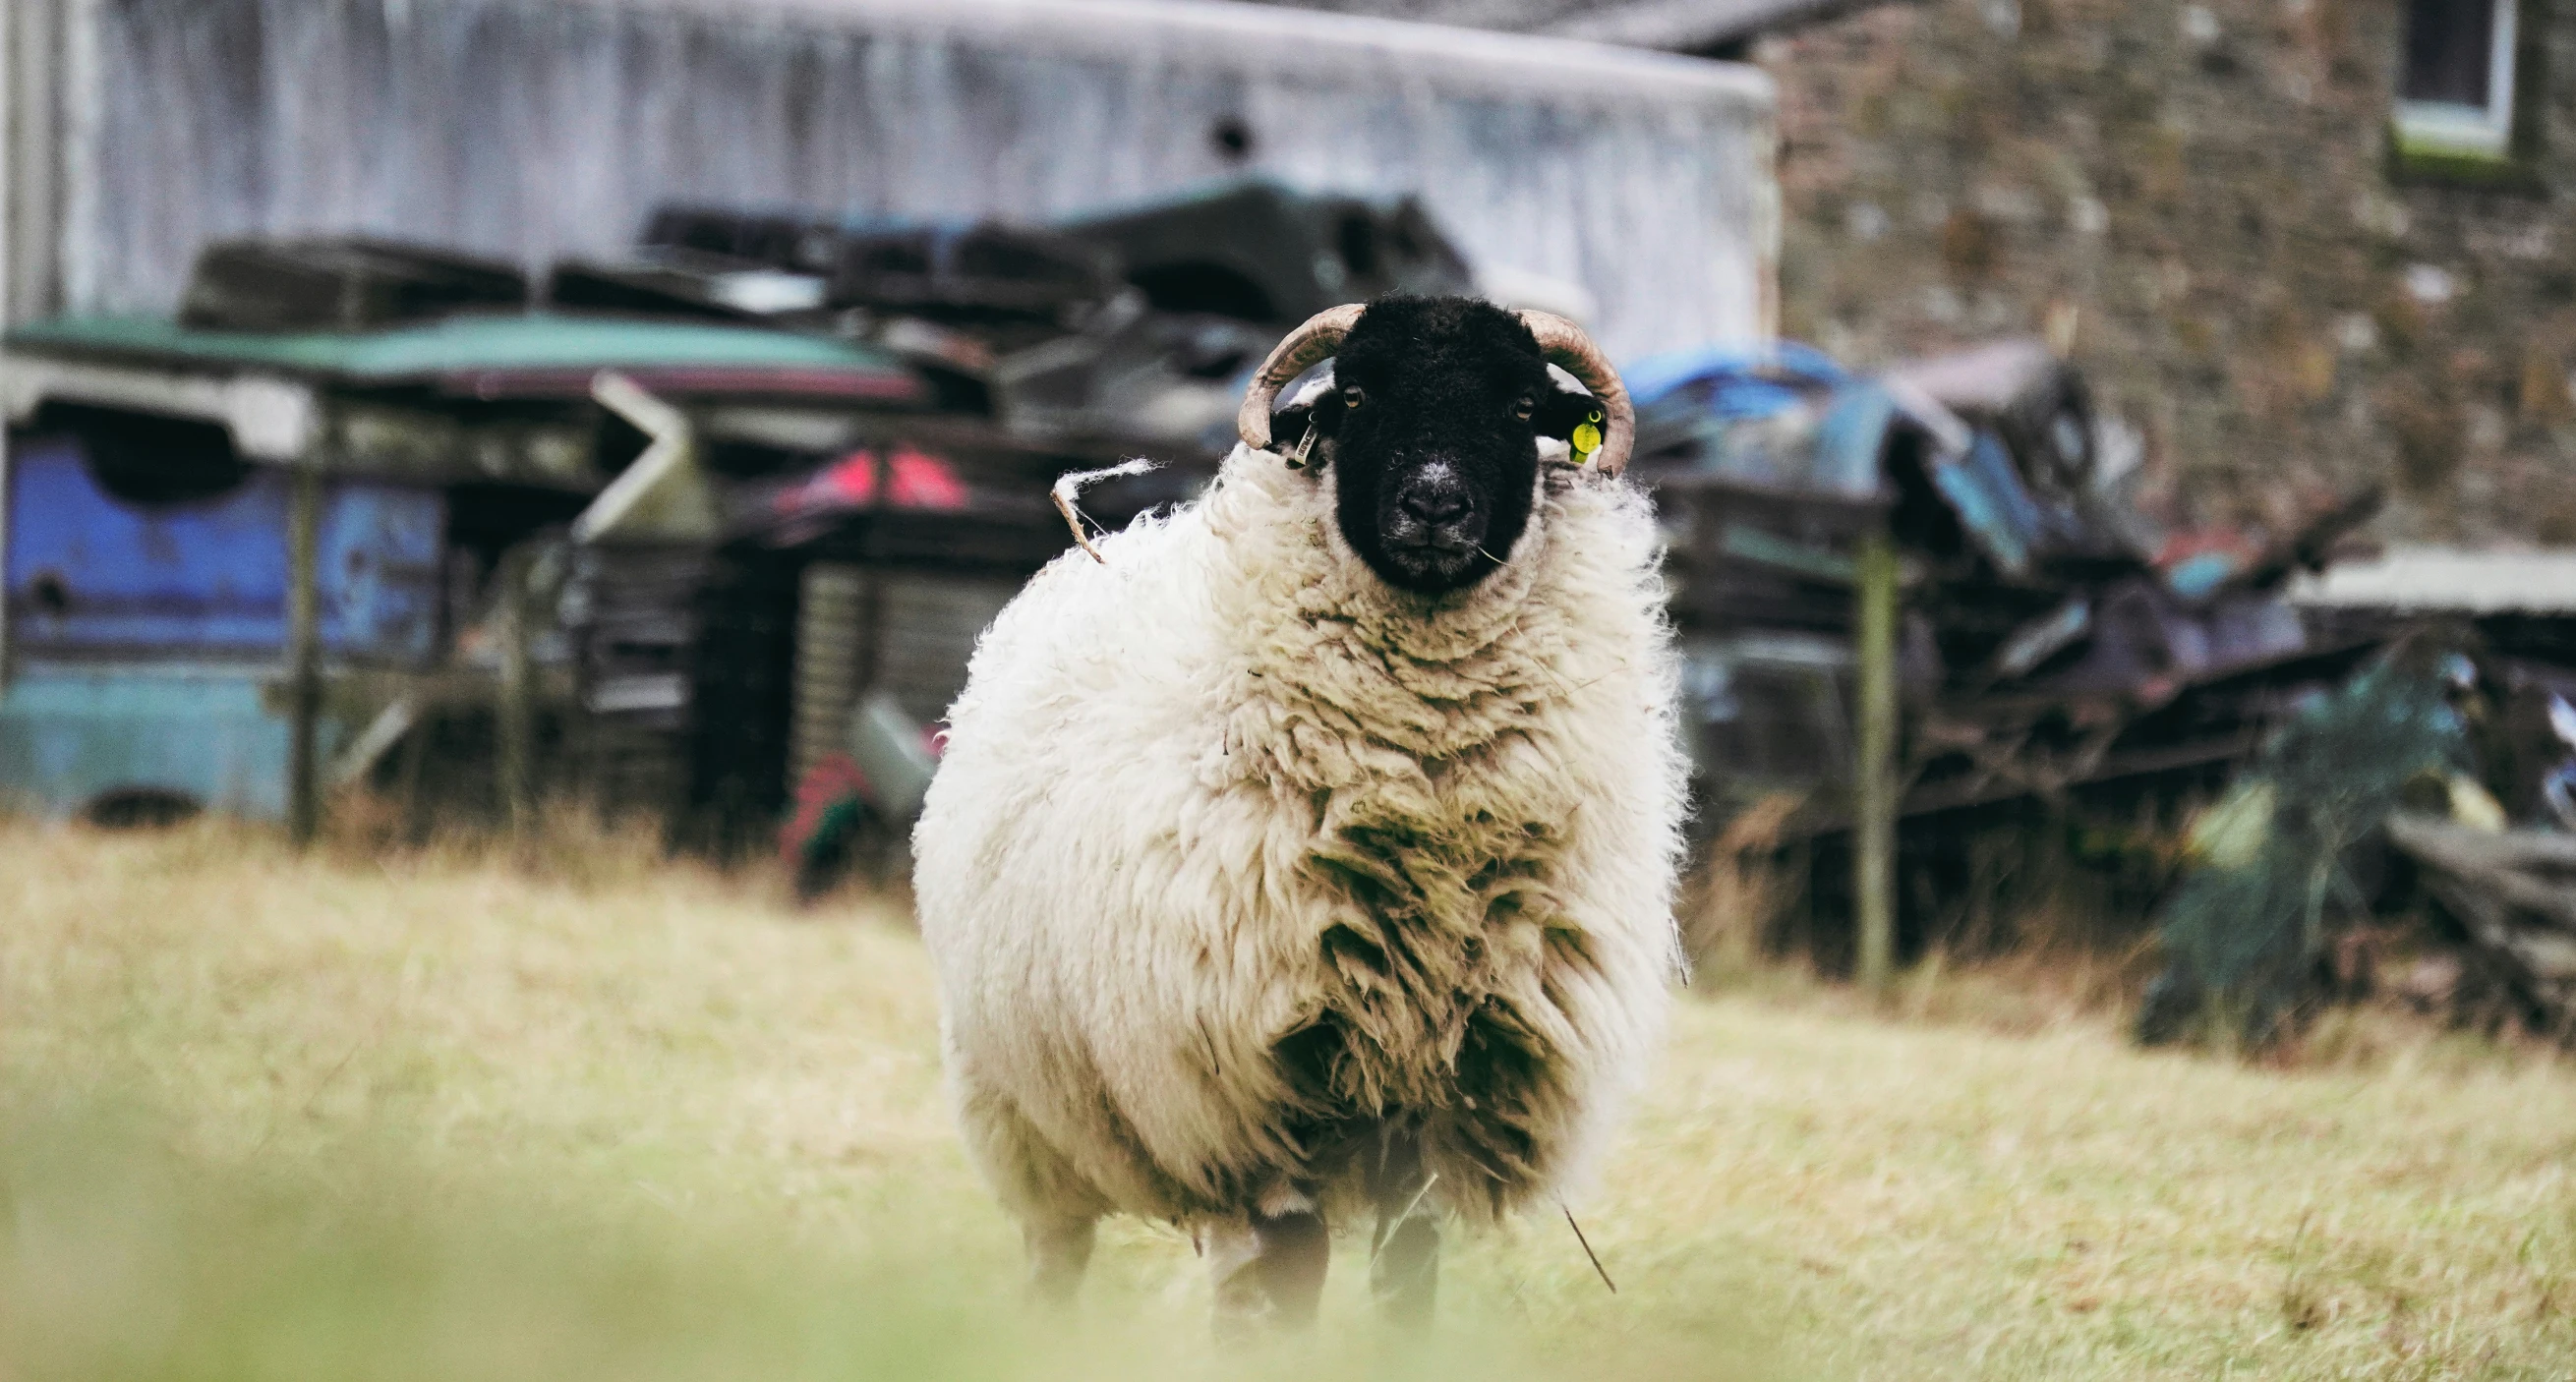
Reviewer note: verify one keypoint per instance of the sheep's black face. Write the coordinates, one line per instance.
(1435, 419)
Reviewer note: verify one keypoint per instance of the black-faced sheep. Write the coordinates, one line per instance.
(1316, 846)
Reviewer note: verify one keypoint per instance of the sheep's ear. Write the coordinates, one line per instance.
(1566, 406)
(1309, 399)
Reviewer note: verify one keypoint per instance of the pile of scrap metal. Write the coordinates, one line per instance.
(313, 533)
(2440, 784)
(1130, 328)
(2396, 729)
(680, 533)
(363, 515)
(2051, 640)
(1126, 333)
(2429, 804)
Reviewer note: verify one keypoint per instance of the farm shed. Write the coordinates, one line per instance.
(537, 132)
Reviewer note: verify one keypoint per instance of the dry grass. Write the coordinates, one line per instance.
(587, 1114)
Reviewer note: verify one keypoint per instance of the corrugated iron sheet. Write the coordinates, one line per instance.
(537, 131)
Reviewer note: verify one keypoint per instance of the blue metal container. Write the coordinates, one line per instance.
(83, 738)
(147, 636)
(91, 573)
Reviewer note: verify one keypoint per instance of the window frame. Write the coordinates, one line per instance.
(2498, 147)
(2461, 130)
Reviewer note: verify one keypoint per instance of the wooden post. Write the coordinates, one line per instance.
(515, 714)
(414, 769)
(304, 653)
(1873, 765)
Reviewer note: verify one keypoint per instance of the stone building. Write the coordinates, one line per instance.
(2300, 246)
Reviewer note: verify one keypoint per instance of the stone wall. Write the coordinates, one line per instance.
(2197, 201)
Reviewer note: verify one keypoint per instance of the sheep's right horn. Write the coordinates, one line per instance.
(1319, 339)
(1564, 343)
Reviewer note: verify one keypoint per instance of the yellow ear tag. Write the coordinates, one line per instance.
(1587, 436)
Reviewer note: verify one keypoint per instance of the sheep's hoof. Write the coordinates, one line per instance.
(1269, 1273)
(1058, 1253)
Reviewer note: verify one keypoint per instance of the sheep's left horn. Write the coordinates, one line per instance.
(1319, 339)
(1564, 343)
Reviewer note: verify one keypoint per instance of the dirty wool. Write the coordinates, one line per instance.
(1237, 852)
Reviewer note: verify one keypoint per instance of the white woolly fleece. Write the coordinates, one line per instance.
(1236, 850)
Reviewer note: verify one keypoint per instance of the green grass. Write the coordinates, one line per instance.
(443, 1117)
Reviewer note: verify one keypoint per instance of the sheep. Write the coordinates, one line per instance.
(1313, 849)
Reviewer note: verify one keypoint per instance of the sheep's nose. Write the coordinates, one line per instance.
(1434, 498)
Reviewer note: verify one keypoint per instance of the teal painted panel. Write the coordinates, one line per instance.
(69, 736)
(512, 341)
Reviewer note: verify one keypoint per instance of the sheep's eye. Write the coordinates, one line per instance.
(1523, 406)
(1353, 395)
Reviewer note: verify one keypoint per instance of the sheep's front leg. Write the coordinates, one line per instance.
(1269, 1271)
(1058, 1253)
(1404, 1254)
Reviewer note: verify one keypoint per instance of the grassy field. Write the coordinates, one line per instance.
(447, 1117)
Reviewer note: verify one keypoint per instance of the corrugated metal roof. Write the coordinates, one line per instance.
(1456, 46)
(1690, 25)
(2448, 579)
(1687, 26)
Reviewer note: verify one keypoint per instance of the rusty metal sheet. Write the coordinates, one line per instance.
(97, 572)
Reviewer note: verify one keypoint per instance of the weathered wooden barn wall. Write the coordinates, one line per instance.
(534, 130)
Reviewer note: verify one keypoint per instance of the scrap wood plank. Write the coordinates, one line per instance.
(2531, 872)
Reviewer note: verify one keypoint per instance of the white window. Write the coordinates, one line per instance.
(2455, 88)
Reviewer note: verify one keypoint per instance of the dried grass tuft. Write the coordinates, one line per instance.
(1731, 900)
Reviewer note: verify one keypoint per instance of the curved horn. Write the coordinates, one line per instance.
(1317, 340)
(1564, 343)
